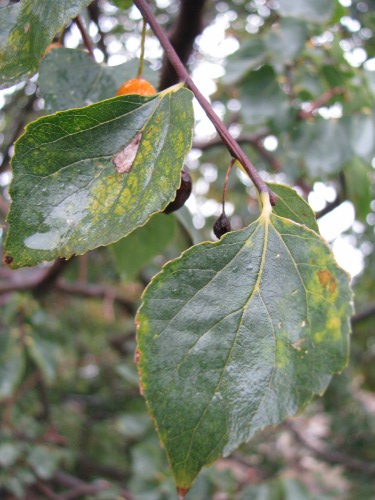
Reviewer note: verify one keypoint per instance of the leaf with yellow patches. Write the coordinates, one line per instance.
(71, 192)
(236, 335)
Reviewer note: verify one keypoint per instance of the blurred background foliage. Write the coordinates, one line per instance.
(295, 83)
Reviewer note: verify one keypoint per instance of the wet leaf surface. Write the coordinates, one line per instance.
(235, 335)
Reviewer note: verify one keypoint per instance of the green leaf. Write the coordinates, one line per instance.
(68, 197)
(324, 146)
(12, 362)
(248, 57)
(122, 4)
(63, 71)
(27, 28)
(235, 335)
(291, 206)
(286, 40)
(44, 354)
(358, 186)
(261, 96)
(316, 11)
(136, 250)
(363, 135)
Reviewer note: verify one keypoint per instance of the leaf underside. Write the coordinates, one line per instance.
(68, 197)
(238, 334)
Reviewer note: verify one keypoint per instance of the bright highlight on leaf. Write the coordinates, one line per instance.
(238, 334)
(69, 196)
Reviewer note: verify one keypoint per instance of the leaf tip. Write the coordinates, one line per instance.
(182, 492)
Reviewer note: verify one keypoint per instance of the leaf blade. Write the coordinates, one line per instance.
(75, 199)
(27, 29)
(212, 371)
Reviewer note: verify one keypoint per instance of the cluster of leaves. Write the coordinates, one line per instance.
(233, 335)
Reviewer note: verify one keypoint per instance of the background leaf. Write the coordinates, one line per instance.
(68, 197)
(222, 353)
(139, 247)
(62, 72)
(27, 29)
(291, 206)
(317, 11)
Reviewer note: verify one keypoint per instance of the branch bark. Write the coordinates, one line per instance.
(186, 28)
(231, 144)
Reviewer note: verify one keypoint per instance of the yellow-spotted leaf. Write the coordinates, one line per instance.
(26, 30)
(236, 335)
(69, 194)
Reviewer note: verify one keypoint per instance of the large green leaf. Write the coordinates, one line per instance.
(317, 11)
(67, 195)
(63, 71)
(27, 28)
(236, 335)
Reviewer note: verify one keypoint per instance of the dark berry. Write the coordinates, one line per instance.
(222, 225)
(182, 193)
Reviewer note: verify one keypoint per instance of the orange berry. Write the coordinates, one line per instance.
(54, 45)
(136, 86)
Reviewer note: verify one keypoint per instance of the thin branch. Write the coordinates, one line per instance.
(95, 291)
(255, 140)
(85, 36)
(329, 455)
(232, 146)
(363, 314)
(304, 114)
(47, 281)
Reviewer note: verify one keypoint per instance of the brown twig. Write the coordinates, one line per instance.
(231, 144)
(95, 291)
(304, 114)
(255, 140)
(328, 455)
(85, 36)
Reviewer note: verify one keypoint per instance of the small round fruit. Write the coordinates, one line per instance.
(136, 86)
(51, 46)
(221, 226)
(182, 193)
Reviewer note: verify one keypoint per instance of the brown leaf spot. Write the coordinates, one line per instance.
(124, 159)
(26, 28)
(7, 260)
(327, 280)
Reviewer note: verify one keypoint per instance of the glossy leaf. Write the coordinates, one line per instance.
(317, 11)
(234, 336)
(68, 197)
(291, 206)
(62, 72)
(136, 250)
(27, 28)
